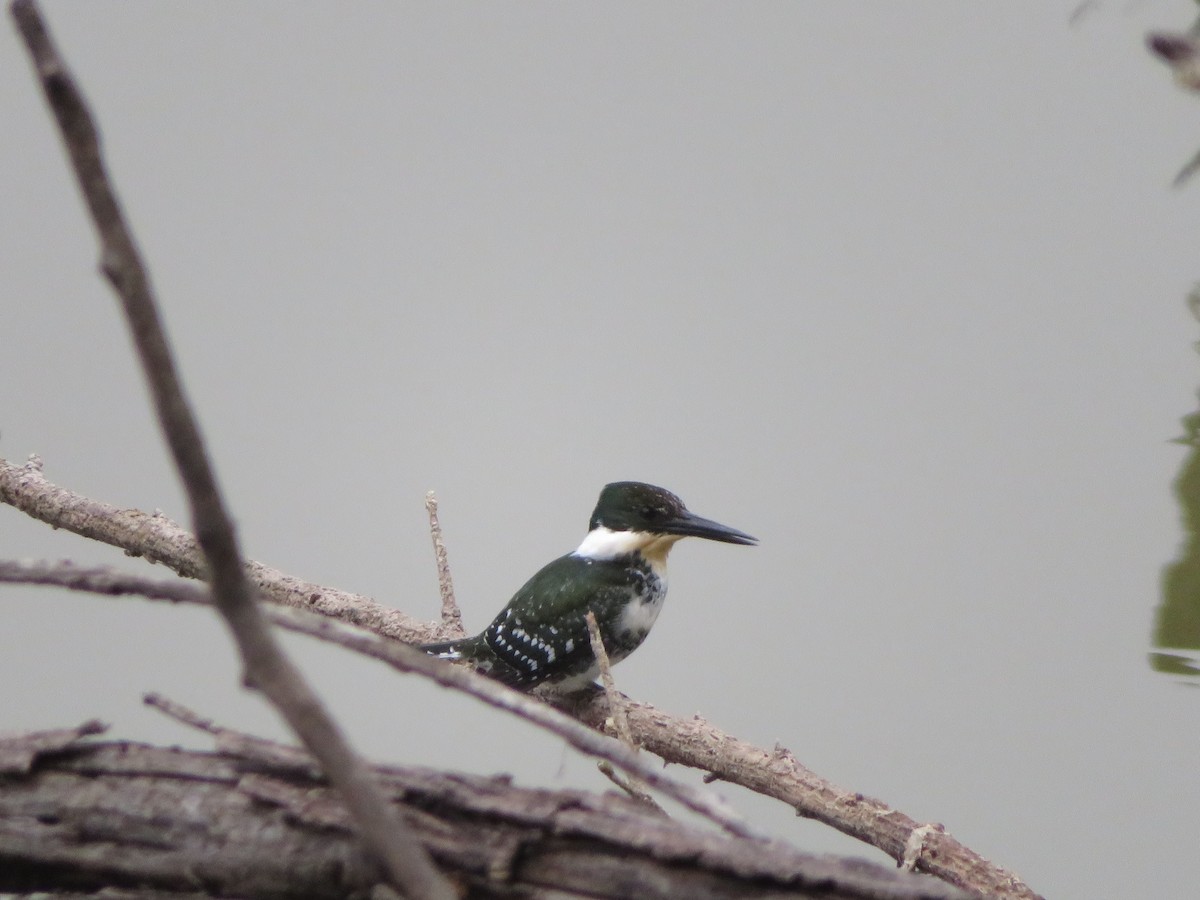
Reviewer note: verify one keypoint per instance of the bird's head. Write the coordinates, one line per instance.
(638, 508)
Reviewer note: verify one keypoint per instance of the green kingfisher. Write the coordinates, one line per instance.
(619, 573)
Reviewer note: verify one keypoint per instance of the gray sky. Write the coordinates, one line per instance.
(896, 288)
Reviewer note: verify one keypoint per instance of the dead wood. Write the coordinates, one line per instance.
(258, 820)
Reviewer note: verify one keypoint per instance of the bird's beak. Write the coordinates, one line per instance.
(691, 525)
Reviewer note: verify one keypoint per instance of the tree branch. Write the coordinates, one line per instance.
(160, 540)
(620, 724)
(686, 741)
(403, 658)
(452, 624)
(267, 668)
(119, 814)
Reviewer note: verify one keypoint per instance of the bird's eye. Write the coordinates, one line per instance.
(651, 512)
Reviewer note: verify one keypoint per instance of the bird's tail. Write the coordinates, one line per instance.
(445, 649)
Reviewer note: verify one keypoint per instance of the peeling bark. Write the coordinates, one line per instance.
(257, 820)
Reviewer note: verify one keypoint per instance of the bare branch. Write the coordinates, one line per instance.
(452, 624)
(104, 580)
(236, 743)
(685, 741)
(777, 773)
(631, 786)
(101, 580)
(160, 540)
(257, 820)
(267, 668)
(181, 714)
(620, 721)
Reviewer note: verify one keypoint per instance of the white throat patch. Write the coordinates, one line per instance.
(603, 543)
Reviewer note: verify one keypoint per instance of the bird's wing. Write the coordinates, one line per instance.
(543, 629)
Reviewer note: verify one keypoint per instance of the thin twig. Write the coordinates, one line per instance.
(112, 582)
(452, 624)
(684, 741)
(227, 740)
(267, 668)
(620, 721)
(181, 713)
(631, 786)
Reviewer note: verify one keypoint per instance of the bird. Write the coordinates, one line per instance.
(618, 572)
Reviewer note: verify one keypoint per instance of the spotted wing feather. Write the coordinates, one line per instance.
(542, 633)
